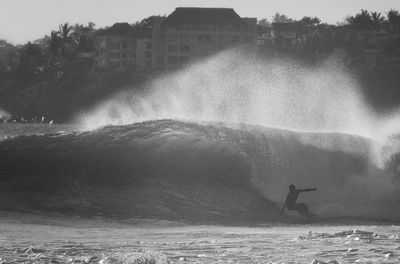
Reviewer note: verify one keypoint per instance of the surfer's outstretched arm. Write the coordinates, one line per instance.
(307, 190)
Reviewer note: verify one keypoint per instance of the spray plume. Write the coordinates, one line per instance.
(236, 87)
(4, 115)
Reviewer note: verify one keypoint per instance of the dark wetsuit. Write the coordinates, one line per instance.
(291, 204)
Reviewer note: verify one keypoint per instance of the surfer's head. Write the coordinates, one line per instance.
(292, 187)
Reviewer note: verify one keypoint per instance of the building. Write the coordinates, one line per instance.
(116, 47)
(144, 54)
(188, 34)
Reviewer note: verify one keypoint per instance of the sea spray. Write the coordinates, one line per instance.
(4, 115)
(236, 87)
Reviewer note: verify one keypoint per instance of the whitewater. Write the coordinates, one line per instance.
(195, 168)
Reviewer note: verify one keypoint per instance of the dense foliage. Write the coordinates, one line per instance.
(52, 77)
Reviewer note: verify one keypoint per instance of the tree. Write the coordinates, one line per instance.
(144, 28)
(91, 25)
(54, 43)
(280, 18)
(28, 62)
(61, 49)
(68, 43)
(377, 19)
(263, 25)
(310, 21)
(361, 21)
(394, 19)
(264, 22)
(5, 48)
(65, 31)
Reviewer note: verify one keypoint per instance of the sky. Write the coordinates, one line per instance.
(27, 20)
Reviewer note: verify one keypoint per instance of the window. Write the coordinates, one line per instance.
(185, 48)
(124, 55)
(172, 48)
(173, 37)
(160, 48)
(148, 45)
(221, 27)
(223, 38)
(114, 45)
(211, 27)
(160, 38)
(229, 28)
(124, 45)
(183, 27)
(172, 59)
(184, 59)
(160, 60)
(205, 49)
(228, 38)
(248, 39)
(186, 37)
(113, 55)
(204, 38)
(148, 55)
(199, 27)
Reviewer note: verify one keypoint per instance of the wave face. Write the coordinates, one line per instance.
(200, 173)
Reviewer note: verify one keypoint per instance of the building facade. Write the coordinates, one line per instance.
(188, 34)
(116, 47)
(144, 54)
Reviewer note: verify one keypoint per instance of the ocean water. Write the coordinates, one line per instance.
(9, 130)
(186, 192)
(99, 241)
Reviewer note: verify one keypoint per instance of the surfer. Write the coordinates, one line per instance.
(291, 198)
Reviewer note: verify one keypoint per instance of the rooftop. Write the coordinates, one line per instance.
(203, 16)
(119, 29)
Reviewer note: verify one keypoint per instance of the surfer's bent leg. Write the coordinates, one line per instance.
(302, 208)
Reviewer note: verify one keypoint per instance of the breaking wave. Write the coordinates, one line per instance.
(4, 115)
(196, 172)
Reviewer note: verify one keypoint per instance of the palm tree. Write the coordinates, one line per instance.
(377, 19)
(360, 21)
(393, 18)
(69, 45)
(54, 43)
(65, 32)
